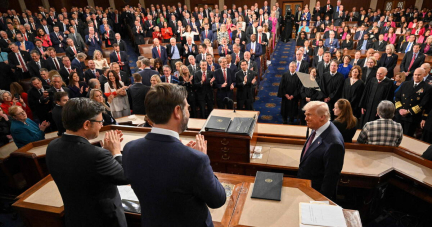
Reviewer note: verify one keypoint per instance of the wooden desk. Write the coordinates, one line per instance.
(239, 210)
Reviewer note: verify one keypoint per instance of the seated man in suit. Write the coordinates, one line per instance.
(322, 157)
(93, 42)
(159, 51)
(407, 46)
(23, 44)
(188, 171)
(91, 72)
(207, 34)
(167, 76)
(411, 61)
(86, 175)
(380, 44)
(54, 62)
(147, 72)
(36, 64)
(18, 61)
(365, 43)
(383, 131)
(136, 94)
(331, 44)
(224, 84)
(71, 50)
(121, 58)
(57, 85)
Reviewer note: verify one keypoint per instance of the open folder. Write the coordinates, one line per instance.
(314, 214)
(308, 81)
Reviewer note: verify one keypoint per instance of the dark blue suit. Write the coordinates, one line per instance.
(323, 162)
(146, 74)
(28, 45)
(174, 80)
(93, 45)
(226, 91)
(163, 57)
(210, 36)
(174, 183)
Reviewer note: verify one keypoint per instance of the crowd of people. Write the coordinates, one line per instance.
(64, 52)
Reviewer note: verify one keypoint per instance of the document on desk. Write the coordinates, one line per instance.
(126, 192)
(321, 215)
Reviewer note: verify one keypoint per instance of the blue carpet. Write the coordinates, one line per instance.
(267, 101)
(133, 57)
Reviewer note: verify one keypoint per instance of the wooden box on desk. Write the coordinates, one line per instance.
(228, 147)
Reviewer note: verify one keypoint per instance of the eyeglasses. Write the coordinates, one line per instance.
(100, 122)
(20, 113)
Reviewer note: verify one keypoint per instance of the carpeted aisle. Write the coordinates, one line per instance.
(267, 101)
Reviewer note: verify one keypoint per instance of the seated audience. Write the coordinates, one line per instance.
(7, 101)
(23, 129)
(383, 131)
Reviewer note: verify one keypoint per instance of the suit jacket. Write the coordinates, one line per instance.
(321, 69)
(258, 50)
(404, 46)
(88, 75)
(390, 64)
(34, 68)
(124, 57)
(205, 89)
(187, 52)
(52, 64)
(28, 45)
(179, 47)
(78, 41)
(233, 57)
(323, 161)
(57, 44)
(5, 45)
(223, 92)
(163, 57)
(70, 53)
(13, 60)
(245, 91)
(136, 95)
(331, 46)
(173, 79)
(146, 74)
(369, 44)
(93, 45)
(182, 190)
(122, 45)
(235, 35)
(378, 47)
(87, 177)
(111, 38)
(39, 105)
(406, 61)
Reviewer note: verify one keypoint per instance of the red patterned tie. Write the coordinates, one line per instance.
(203, 77)
(311, 138)
(109, 42)
(24, 67)
(224, 74)
(158, 49)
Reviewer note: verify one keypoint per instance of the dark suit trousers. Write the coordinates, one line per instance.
(221, 104)
(408, 127)
(207, 101)
(244, 104)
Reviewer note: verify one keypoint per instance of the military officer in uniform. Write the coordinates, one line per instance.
(411, 100)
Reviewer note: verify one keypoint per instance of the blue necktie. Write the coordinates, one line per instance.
(408, 47)
(364, 45)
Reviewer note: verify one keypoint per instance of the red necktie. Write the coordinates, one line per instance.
(311, 138)
(116, 19)
(206, 34)
(259, 39)
(41, 50)
(168, 79)
(118, 57)
(24, 67)
(74, 50)
(225, 50)
(203, 77)
(109, 42)
(25, 37)
(412, 62)
(224, 74)
(69, 70)
(56, 63)
(158, 49)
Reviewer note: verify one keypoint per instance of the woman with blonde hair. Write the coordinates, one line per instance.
(222, 33)
(99, 60)
(209, 49)
(353, 89)
(155, 79)
(345, 121)
(186, 80)
(97, 95)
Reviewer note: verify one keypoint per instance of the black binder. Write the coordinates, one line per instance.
(241, 125)
(267, 186)
(218, 124)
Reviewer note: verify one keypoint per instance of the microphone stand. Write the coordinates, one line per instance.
(226, 99)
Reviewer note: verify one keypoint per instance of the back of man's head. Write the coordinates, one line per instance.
(161, 101)
(386, 109)
(79, 110)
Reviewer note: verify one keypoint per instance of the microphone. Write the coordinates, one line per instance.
(228, 100)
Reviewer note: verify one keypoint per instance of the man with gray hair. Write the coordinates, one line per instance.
(383, 131)
(332, 44)
(427, 77)
(411, 100)
(322, 157)
(375, 91)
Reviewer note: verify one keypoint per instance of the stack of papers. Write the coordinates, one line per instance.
(319, 214)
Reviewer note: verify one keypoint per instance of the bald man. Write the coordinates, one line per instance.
(410, 101)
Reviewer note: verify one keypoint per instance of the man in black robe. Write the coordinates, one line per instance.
(332, 83)
(289, 91)
(376, 90)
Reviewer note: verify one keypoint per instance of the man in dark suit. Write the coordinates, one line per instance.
(324, 66)
(36, 64)
(245, 83)
(167, 76)
(224, 83)
(108, 36)
(149, 26)
(91, 72)
(124, 77)
(241, 35)
(159, 51)
(301, 65)
(39, 100)
(66, 69)
(136, 94)
(147, 73)
(322, 157)
(121, 58)
(189, 167)
(189, 49)
(18, 61)
(365, 43)
(86, 175)
(411, 61)
(57, 86)
(93, 42)
(236, 55)
(174, 52)
(120, 42)
(380, 44)
(407, 46)
(332, 82)
(207, 34)
(54, 62)
(58, 40)
(193, 66)
(203, 81)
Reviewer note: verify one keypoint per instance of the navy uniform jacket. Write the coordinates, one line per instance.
(415, 100)
(323, 162)
(174, 183)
